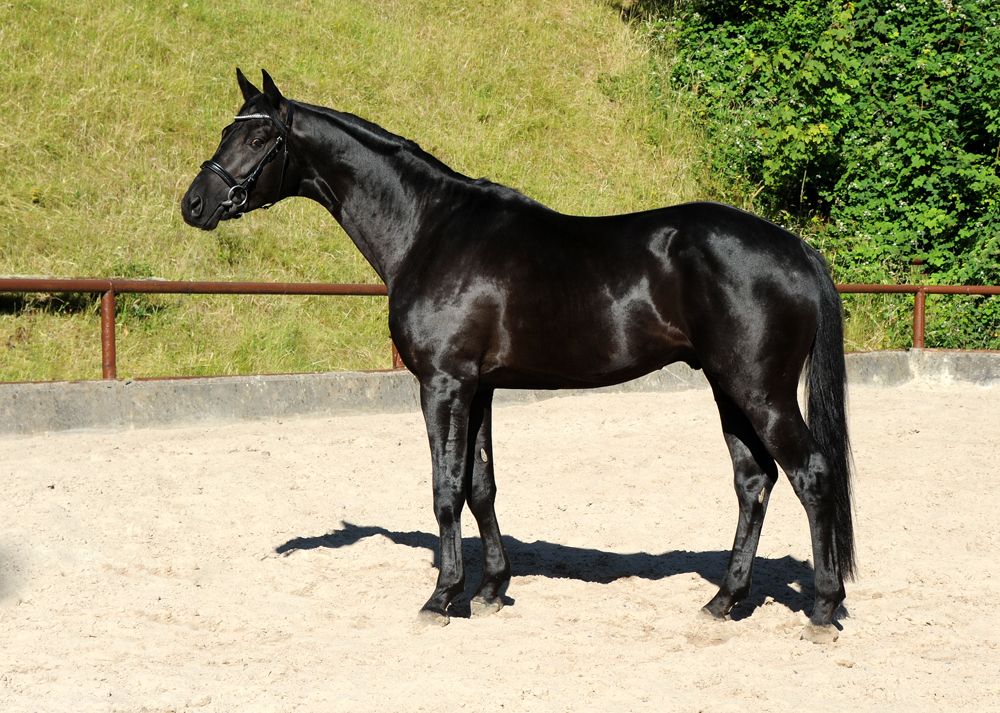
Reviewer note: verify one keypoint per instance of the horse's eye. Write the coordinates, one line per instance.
(256, 143)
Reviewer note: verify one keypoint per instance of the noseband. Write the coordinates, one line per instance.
(239, 191)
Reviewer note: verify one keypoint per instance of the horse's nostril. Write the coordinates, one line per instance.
(195, 206)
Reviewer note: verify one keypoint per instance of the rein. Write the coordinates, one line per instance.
(239, 191)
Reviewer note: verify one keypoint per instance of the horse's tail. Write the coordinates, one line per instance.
(826, 385)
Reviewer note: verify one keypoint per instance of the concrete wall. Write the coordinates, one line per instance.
(158, 403)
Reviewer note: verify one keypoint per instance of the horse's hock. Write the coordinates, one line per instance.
(106, 405)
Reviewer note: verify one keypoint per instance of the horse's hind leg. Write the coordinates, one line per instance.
(809, 472)
(779, 423)
(755, 474)
(482, 492)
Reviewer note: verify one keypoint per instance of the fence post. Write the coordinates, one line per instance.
(919, 303)
(109, 366)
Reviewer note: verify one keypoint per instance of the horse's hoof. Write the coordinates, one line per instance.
(706, 614)
(432, 618)
(481, 606)
(820, 634)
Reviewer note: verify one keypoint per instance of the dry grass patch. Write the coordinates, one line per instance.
(109, 110)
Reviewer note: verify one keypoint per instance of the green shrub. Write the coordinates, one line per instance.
(871, 126)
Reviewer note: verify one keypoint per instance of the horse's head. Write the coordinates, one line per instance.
(253, 166)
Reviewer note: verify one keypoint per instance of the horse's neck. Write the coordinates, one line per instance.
(380, 191)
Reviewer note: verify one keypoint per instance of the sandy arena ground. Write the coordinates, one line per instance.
(280, 567)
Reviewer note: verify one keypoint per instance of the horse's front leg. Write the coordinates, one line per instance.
(446, 403)
(482, 491)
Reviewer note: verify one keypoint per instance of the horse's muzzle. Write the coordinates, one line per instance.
(199, 212)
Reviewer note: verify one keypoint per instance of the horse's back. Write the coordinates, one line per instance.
(546, 300)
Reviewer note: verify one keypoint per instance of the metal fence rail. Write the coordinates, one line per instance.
(919, 293)
(109, 287)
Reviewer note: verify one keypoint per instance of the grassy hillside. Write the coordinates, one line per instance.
(108, 110)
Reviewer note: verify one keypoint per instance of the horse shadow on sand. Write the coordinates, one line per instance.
(786, 580)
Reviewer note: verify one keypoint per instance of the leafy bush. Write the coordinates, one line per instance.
(871, 126)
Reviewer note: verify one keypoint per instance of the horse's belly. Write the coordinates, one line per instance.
(557, 360)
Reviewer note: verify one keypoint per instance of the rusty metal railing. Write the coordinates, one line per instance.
(919, 293)
(110, 287)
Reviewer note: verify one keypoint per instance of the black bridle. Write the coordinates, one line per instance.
(239, 191)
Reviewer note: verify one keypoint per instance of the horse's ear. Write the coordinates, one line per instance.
(272, 92)
(249, 90)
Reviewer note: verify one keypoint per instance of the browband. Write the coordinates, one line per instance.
(285, 127)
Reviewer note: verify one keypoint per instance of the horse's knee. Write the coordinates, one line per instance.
(448, 512)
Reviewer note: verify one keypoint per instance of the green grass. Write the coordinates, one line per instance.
(877, 321)
(108, 109)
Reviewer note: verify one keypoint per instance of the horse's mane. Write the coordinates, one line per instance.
(374, 136)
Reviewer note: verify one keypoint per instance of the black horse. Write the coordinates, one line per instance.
(489, 289)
